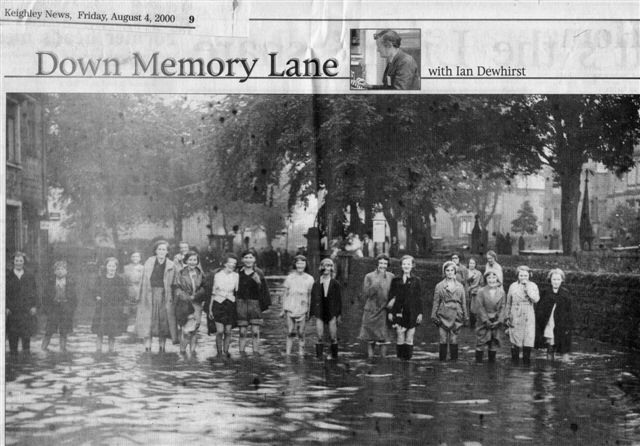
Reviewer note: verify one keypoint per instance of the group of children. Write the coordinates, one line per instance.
(393, 308)
(529, 317)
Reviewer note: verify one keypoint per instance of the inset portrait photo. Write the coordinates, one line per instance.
(385, 59)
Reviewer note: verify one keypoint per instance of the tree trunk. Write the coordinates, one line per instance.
(177, 222)
(114, 236)
(455, 224)
(368, 219)
(354, 218)
(393, 224)
(570, 198)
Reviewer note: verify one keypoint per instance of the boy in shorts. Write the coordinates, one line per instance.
(296, 302)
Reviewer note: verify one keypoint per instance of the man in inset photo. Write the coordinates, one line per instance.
(401, 72)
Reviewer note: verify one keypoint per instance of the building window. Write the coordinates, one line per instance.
(28, 128)
(632, 177)
(466, 226)
(12, 131)
(595, 218)
(13, 241)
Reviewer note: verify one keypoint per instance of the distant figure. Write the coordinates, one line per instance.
(499, 243)
(133, 278)
(354, 245)
(211, 260)
(246, 242)
(394, 248)
(462, 273)
(367, 246)
(59, 305)
(493, 265)
(183, 248)
(554, 240)
(474, 282)
(476, 237)
(286, 262)
(507, 244)
(270, 260)
(521, 244)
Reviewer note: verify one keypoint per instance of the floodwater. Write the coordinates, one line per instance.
(137, 398)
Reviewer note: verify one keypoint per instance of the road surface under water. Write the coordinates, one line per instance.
(132, 397)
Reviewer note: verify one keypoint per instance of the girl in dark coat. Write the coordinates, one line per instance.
(59, 305)
(554, 318)
(189, 296)
(21, 303)
(253, 298)
(405, 297)
(326, 307)
(111, 298)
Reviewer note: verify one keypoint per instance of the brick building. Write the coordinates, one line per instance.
(26, 181)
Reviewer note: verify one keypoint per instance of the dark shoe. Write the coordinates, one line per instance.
(479, 355)
(492, 356)
(551, 352)
(443, 352)
(334, 350)
(526, 355)
(319, 350)
(408, 352)
(453, 348)
(515, 354)
(400, 350)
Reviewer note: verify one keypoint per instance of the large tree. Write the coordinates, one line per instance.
(394, 154)
(566, 131)
(121, 159)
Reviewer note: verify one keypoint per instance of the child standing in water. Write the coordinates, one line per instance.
(326, 306)
(488, 306)
(296, 301)
(405, 298)
(449, 312)
(109, 318)
(519, 315)
(60, 304)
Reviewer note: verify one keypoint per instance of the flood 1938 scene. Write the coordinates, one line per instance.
(353, 269)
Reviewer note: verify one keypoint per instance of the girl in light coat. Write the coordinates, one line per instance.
(156, 312)
(520, 317)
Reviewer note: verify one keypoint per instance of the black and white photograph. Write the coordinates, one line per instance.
(385, 59)
(323, 269)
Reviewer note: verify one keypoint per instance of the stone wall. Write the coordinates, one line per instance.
(606, 306)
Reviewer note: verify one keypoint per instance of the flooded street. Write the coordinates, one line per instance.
(134, 397)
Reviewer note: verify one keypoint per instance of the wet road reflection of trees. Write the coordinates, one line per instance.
(138, 398)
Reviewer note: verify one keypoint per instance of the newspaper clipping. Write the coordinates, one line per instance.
(320, 222)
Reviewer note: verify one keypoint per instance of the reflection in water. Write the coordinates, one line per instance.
(85, 398)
